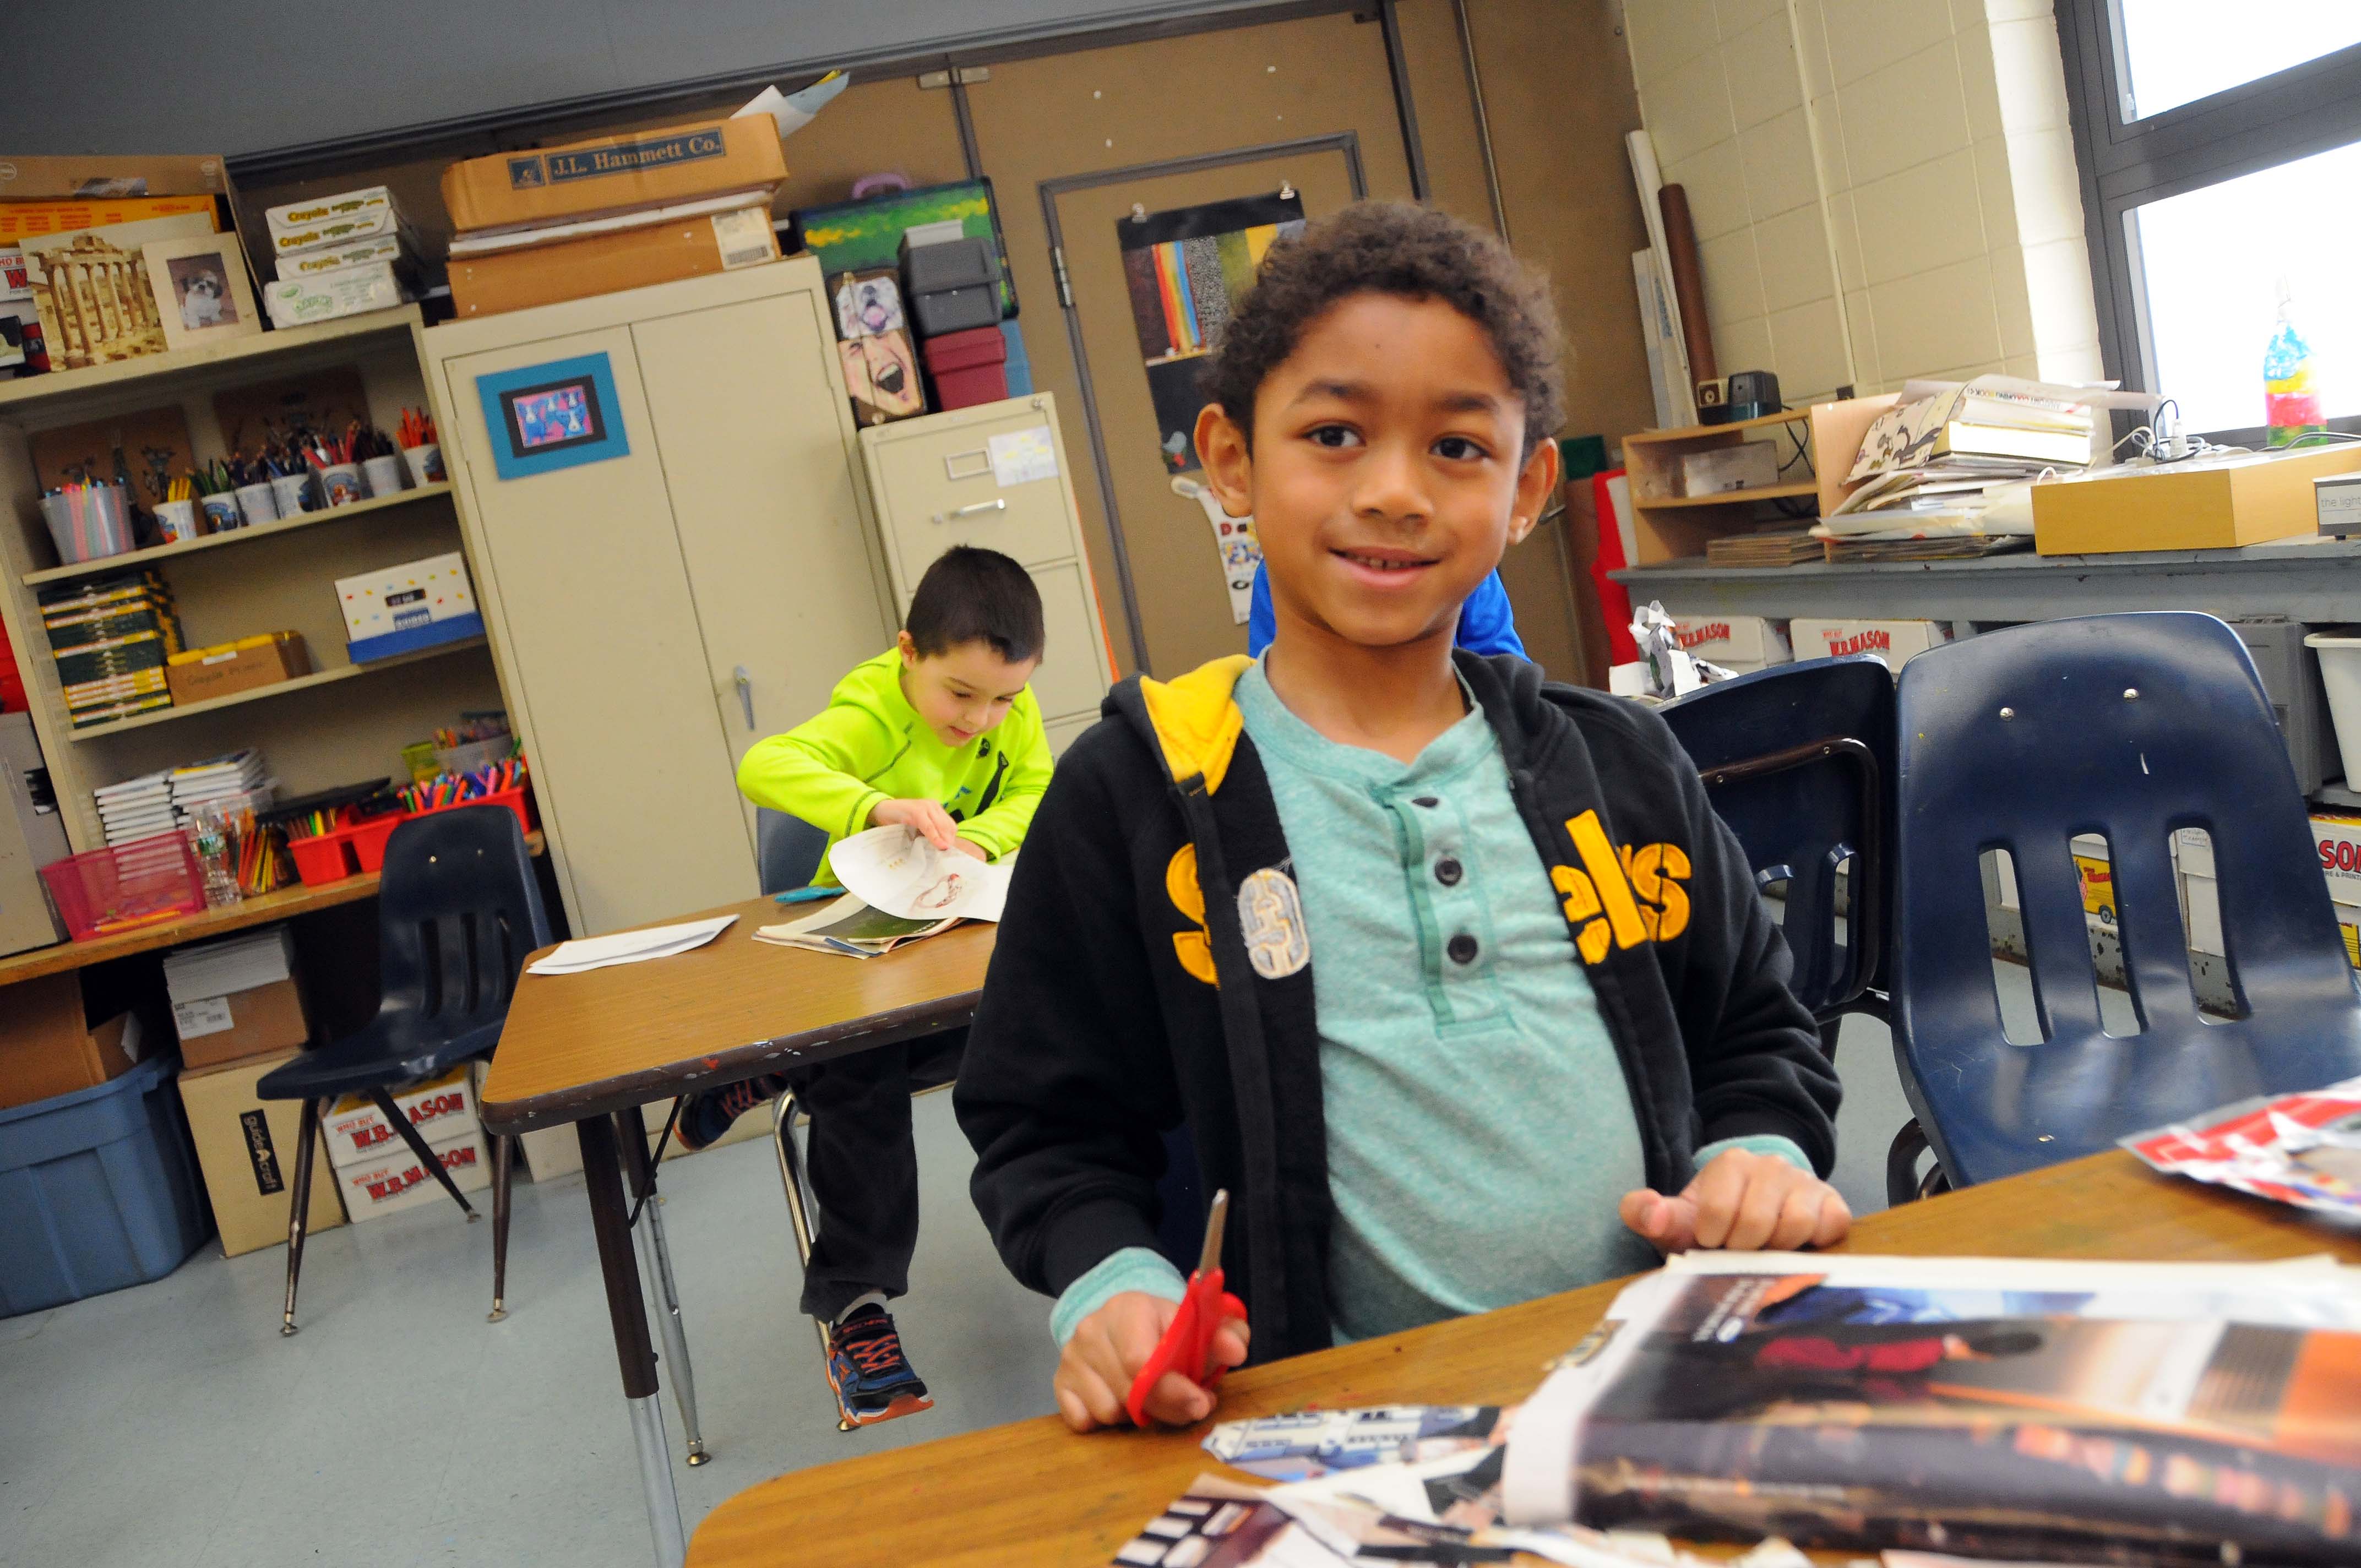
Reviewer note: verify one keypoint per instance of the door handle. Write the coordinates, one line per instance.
(745, 693)
(997, 504)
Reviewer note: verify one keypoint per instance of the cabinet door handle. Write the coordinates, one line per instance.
(745, 693)
(995, 504)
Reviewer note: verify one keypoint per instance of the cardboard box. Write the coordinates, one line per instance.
(1895, 641)
(264, 1019)
(416, 593)
(440, 1108)
(1733, 640)
(1749, 465)
(397, 1180)
(2187, 506)
(615, 174)
(389, 249)
(2092, 869)
(201, 675)
(82, 177)
(2339, 839)
(326, 296)
(245, 1146)
(45, 1050)
(603, 263)
(21, 220)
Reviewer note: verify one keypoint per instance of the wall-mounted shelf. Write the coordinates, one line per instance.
(234, 536)
(277, 688)
(1728, 498)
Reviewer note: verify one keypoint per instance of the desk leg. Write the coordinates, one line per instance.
(602, 1177)
(633, 1129)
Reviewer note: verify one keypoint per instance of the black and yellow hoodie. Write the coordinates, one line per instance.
(1132, 991)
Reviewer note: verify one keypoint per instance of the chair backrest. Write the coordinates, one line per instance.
(2131, 726)
(786, 850)
(1798, 759)
(457, 913)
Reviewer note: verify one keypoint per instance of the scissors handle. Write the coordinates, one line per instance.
(1188, 1342)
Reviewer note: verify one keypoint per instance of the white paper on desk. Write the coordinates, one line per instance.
(895, 870)
(631, 947)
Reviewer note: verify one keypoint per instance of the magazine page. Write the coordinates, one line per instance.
(849, 925)
(896, 871)
(2302, 1150)
(2022, 1413)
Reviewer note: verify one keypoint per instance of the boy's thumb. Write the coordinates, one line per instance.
(1667, 1224)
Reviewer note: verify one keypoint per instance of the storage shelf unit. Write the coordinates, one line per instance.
(1731, 497)
(1667, 525)
(277, 688)
(318, 731)
(156, 553)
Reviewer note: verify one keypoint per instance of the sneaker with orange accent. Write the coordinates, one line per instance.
(873, 1378)
(709, 1115)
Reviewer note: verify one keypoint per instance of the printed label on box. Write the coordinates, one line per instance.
(258, 1150)
(206, 1015)
(744, 237)
(2339, 842)
(624, 158)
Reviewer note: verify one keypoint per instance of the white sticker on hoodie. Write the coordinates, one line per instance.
(1271, 912)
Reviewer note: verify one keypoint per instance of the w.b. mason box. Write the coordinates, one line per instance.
(614, 174)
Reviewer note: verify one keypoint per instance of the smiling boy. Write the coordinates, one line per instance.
(1453, 979)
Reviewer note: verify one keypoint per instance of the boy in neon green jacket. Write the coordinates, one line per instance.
(942, 735)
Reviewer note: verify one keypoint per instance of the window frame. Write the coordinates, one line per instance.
(2124, 165)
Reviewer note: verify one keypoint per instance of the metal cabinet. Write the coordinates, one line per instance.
(996, 476)
(659, 492)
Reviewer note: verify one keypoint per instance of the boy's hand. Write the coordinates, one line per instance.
(1110, 1346)
(927, 819)
(1745, 1203)
(969, 846)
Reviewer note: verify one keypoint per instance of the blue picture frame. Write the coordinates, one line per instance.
(558, 414)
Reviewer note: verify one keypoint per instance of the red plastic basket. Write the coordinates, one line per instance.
(323, 857)
(105, 890)
(368, 836)
(519, 800)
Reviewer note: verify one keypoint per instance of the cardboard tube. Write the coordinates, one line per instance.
(1688, 283)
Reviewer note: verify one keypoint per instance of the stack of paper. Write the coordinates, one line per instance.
(1776, 547)
(1930, 468)
(235, 779)
(233, 964)
(898, 887)
(631, 947)
(136, 809)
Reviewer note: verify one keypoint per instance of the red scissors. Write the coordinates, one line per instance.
(1187, 1346)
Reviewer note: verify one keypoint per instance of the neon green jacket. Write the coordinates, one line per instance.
(868, 744)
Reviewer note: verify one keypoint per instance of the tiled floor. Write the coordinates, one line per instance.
(170, 1423)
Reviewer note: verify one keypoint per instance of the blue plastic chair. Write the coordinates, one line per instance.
(457, 913)
(2132, 727)
(1798, 759)
(786, 850)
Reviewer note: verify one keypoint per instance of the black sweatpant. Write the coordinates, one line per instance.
(864, 1166)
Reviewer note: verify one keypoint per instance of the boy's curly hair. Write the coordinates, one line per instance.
(1417, 253)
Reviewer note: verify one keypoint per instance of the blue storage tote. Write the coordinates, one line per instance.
(98, 1191)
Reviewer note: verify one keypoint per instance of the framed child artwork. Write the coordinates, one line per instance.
(201, 290)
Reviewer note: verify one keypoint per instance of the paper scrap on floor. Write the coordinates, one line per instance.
(631, 947)
(896, 871)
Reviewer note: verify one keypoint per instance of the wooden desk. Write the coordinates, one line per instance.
(1034, 1493)
(259, 910)
(592, 1048)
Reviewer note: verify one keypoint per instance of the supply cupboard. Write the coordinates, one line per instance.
(662, 498)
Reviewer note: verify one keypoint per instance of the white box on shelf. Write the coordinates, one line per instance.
(1730, 640)
(395, 1182)
(399, 597)
(1749, 465)
(440, 1108)
(325, 296)
(1895, 641)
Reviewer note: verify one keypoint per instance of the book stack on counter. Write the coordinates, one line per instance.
(111, 637)
(137, 808)
(164, 801)
(1950, 475)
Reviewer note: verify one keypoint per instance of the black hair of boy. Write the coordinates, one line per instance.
(972, 595)
(1413, 252)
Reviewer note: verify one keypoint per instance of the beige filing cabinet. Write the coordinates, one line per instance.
(655, 611)
(996, 474)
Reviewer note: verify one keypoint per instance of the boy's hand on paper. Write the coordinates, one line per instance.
(969, 846)
(927, 819)
(1110, 1346)
(1743, 1202)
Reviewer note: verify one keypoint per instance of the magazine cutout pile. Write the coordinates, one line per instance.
(2302, 1150)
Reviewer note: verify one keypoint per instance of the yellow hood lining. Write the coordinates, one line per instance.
(1196, 720)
